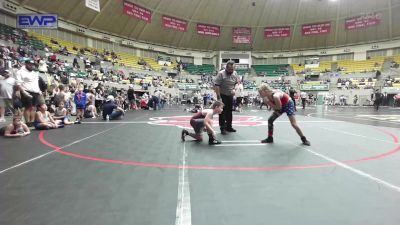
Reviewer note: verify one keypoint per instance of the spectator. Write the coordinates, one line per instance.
(111, 110)
(131, 97)
(61, 114)
(43, 119)
(80, 102)
(16, 129)
(6, 93)
(28, 84)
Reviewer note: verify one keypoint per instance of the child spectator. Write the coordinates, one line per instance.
(43, 119)
(16, 129)
(61, 114)
(80, 102)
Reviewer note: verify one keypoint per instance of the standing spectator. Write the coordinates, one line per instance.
(225, 83)
(6, 94)
(28, 82)
(303, 96)
(75, 63)
(80, 102)
(355, 100)
(378, 99)
(239, 96)
(385, 99)
(42, 66)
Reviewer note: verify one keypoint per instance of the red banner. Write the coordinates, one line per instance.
(174, 23)
(316, 28)
(237, 39)
(210, 30)
(241, 35)
(362, 21)
(276, 32)
(241, 30)
(136, 11)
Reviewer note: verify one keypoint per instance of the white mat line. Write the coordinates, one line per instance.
(265, 122)
(233, 145)
(183, 207)
(367, 119)
(354, 170)
(358, 135)
(47, 153)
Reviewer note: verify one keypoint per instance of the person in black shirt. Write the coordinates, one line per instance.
(378, 99)
(111, 110)
(131, 98)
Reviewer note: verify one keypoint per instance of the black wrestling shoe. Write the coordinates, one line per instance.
(183, 134)
(214, 142)
(231, 130)
(268, 140)
(305, 141)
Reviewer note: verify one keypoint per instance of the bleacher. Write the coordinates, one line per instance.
(271, 70)
(357, 83)
(323, 67)
(20, 37)
(200, 69)
(298, 68)
(125, 58)
(242, 72)
(369, 65)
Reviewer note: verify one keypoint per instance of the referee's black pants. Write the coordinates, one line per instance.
(225, 118)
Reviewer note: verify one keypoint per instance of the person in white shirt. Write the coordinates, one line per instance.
(28, 83)
(239, 96)
(6, 91)
(42, 66)
(303, 96)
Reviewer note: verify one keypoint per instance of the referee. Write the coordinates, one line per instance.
(225, 83)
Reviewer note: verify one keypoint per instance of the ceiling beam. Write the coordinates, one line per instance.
(189, 22)
(292, 36)
(98, 14)
(258, 25)
(145, 26)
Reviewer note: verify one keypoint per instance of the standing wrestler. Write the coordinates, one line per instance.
(281, 103)
(225, 90)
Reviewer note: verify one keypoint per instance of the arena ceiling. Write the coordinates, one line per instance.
(256, 14)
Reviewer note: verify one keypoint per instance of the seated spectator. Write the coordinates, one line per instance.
(16, 129)
(61, 114)
(111, 110)
(43, 119)
(90, 112)
(53, 58)
(53, 41)
(143, 104)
